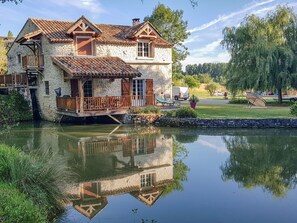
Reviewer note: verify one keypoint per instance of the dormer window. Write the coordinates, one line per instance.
(84, 32)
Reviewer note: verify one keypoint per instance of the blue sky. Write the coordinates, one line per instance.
(205, 22)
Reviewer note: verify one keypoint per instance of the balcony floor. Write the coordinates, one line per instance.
(94, 113)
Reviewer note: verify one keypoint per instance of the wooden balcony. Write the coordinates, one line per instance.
(13, 80)
(33, 62)
(105, 104)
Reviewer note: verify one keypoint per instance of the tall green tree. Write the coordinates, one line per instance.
(173, 28)
(263, 52)
(216, 70)
(3, 58)
(9, 34)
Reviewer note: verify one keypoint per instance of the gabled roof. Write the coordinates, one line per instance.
(149, 197)
(135, 31)
(56, 31)
(90, 207)
(100, 67)
(83, 21)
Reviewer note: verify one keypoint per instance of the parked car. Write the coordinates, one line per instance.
(180, 93)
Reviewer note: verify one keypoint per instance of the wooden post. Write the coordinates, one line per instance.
(81, 95)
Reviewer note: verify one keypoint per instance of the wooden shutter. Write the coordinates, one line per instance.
(152, 49)
(151, 145)
(126, 87)
(74, 88)
(126, 92)
(149, 91)
(84, 46)
(127, 147)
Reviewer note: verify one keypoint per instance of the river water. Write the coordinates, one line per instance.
(147, 174)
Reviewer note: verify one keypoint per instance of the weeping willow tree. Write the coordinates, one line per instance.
(263, 52)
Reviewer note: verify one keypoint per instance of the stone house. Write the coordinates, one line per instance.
(82, 69)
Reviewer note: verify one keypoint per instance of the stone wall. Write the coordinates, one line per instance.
(13, 65)
(54, 75)
(158, 68)
(228, 123)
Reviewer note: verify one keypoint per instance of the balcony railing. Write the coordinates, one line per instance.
(33, 61)
(13, 80)
(72, 104)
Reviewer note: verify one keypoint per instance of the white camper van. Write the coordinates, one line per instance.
(180, 92)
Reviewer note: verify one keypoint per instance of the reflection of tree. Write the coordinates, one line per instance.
(179, 169)
(269, 162)
(187, 137)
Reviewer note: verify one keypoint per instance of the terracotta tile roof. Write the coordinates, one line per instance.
(56, 31)
(29, 36)
(101, 67)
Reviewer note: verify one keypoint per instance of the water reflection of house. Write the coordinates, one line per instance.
(140, 165)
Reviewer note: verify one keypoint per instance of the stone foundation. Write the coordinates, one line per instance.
(143, 119)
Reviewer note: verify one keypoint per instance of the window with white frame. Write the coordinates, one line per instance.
(144, 49)
(140, 146)
(138, 87)
(146, 180)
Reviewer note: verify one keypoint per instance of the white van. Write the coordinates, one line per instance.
(180, 92)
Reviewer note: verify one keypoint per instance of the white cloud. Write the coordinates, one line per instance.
(213, 142)
(219, 57)
(207, 49)
(92, 6)
(230, 16)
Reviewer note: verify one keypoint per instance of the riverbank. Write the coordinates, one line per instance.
(31, 186)
(227, 123)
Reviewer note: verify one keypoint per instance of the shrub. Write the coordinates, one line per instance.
(151, 110)
(238, 101)
(194, 98)
(169, 113)
(211, 88)
(186, 112)
(16, 207)
(13, 108)
(42, 179)
(146, 110)
(293, 109)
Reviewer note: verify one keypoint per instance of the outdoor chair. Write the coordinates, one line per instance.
(255, 99)
(166, 102)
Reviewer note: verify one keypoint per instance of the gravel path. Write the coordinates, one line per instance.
(209, 102)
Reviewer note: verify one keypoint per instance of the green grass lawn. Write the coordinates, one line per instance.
(241, 111)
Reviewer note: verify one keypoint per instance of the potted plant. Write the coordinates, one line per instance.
(193, 101)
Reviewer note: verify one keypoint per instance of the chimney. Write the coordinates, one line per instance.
(135, 21)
